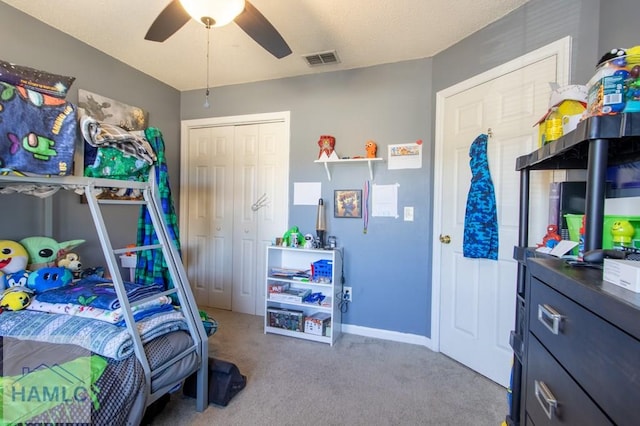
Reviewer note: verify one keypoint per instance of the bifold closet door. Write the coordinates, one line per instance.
(237, 205)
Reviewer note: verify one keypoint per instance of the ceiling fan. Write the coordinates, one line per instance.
(216, 13)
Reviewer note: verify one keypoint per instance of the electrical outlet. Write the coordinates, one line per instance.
(347, 294)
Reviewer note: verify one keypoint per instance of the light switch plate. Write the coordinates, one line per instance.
(408, 214)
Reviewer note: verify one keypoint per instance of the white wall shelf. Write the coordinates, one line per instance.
(348, 161)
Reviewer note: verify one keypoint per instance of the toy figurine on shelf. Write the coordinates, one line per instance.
(371, 149)
(621, 233)
(552, 238)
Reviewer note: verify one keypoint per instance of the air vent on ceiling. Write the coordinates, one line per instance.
(322, 58)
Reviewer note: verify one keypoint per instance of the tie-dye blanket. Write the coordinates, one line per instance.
(97, 336)
(37, 132)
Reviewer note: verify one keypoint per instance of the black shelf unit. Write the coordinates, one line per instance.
(597, 143)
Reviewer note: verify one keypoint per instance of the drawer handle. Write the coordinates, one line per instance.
(549, 317)
(546, 399)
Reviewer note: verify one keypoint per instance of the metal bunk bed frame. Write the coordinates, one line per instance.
(181, 290)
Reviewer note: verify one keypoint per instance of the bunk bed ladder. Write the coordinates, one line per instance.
(181, 289)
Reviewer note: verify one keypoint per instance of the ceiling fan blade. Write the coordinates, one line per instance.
(260, 29)
(170, 20)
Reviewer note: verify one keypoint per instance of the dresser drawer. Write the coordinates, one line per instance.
(547, 381)
(528, 421)
(601, 358)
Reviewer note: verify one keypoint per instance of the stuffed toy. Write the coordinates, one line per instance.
(44, 252)
(48, 278)
(97, 271)
(287, 238)
(371, 148)
(15, 299)
(17, 279)
(13, 258)
(71, 261)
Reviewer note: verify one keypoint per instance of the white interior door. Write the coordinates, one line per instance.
(234, 202)
(477, 296)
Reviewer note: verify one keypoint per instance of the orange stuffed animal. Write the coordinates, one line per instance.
(371, 149)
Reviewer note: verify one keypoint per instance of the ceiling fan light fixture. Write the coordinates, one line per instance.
(221, 12)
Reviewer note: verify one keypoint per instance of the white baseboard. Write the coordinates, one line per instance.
(394, 336)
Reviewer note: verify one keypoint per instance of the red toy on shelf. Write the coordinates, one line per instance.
(552, 238)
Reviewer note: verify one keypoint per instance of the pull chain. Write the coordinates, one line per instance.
(206, 93)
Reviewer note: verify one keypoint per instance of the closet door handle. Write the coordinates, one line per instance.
(262, 201)
(550, 318)
(547, 400)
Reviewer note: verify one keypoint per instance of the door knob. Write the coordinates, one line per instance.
(445, 239)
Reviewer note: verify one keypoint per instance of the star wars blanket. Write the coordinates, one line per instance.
(38, 132)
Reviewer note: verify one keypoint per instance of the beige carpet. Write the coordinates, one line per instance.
(358, 381)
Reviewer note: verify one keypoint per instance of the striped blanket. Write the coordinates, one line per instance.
(116, 316)
(97, 336)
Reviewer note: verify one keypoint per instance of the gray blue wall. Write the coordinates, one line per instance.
(389, 268)
(389, 104)
(29, 42)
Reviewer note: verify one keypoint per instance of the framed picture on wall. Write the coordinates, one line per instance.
(347, 203)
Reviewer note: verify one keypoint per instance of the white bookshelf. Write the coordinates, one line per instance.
(301, 259)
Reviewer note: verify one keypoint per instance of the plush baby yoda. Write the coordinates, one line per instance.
(44, 252)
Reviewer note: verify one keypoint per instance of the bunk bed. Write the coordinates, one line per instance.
(142, 361)
(110, 373)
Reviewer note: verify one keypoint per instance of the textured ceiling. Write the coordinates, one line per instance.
(363, 32)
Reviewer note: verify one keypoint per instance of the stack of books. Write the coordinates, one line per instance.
(290, 273)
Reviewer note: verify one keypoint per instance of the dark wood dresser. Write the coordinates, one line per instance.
(576, 338)
(582, 357)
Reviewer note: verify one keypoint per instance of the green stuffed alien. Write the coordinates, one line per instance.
(44, 252)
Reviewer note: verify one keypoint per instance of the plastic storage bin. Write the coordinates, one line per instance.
(322, 271)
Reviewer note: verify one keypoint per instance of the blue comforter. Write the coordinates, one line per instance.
(97, 292)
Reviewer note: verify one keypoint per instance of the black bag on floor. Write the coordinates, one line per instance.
(225, 381)
(154, 409)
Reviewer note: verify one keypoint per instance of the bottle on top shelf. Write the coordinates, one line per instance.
(553, 126)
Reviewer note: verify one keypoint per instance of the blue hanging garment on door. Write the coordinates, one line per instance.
(481, 217)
